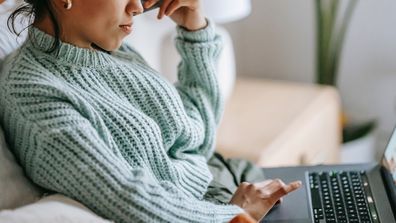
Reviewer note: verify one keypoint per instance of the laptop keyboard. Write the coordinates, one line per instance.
(339, 197)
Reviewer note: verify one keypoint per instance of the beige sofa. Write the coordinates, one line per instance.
(274, 123)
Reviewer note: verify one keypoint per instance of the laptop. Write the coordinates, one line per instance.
(339, 193)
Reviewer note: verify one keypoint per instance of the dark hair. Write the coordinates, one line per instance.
(36, 10)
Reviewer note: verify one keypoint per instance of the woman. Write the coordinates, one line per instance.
(87, 117)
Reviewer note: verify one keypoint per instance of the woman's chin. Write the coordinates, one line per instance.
(107, 47)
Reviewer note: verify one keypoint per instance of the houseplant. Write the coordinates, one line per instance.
(333, 18)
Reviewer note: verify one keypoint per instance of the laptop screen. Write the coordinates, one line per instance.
(389, 159)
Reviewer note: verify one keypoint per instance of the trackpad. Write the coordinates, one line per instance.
(295, 206)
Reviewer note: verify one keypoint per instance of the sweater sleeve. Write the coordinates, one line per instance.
(197, 82)
(73, 159)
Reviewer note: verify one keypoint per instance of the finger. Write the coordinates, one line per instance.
(269, 187)
(173, 7)
(275, 197)
(244, 184)
(284, 190)
(150, 3)
(293, 186)
(275, 184)
(163, 7)
(263, 183)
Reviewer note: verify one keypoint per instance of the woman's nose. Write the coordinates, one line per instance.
(134, 7)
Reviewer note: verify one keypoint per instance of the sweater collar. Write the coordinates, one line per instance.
(68, 53)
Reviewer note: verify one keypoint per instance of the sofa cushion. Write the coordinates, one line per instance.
(55, 208)
(15, 188)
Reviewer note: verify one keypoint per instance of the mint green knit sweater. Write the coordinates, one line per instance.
(110, 132)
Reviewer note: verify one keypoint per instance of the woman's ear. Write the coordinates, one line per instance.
(67, 4)
(62, 5)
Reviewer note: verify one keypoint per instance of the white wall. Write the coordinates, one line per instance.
(277, 41)
(147, 36)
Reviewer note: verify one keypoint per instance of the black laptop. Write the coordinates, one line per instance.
(339, 193)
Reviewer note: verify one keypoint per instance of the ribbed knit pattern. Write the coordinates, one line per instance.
(109, 131)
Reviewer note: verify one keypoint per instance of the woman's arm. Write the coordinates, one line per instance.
(197, 81)
(75, 161)
(199, 48)
(67, 154)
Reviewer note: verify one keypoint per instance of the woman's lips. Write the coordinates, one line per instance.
(126, 28)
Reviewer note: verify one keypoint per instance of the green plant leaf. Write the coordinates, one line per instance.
(331, 30)
(353, 131)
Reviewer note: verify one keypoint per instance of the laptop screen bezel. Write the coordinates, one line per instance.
(389, 187)
(387, 176)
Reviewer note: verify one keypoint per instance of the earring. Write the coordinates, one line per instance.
(68, 5)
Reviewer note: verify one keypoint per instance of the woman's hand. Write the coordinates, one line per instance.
(185, 13)
(258, 198)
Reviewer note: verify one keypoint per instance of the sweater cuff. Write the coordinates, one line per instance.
(202, 35)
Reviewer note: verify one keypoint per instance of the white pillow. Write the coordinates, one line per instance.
(9, 41)
(55, 208)
(15, 189)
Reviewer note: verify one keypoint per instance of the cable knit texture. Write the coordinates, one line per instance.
(110, 132)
